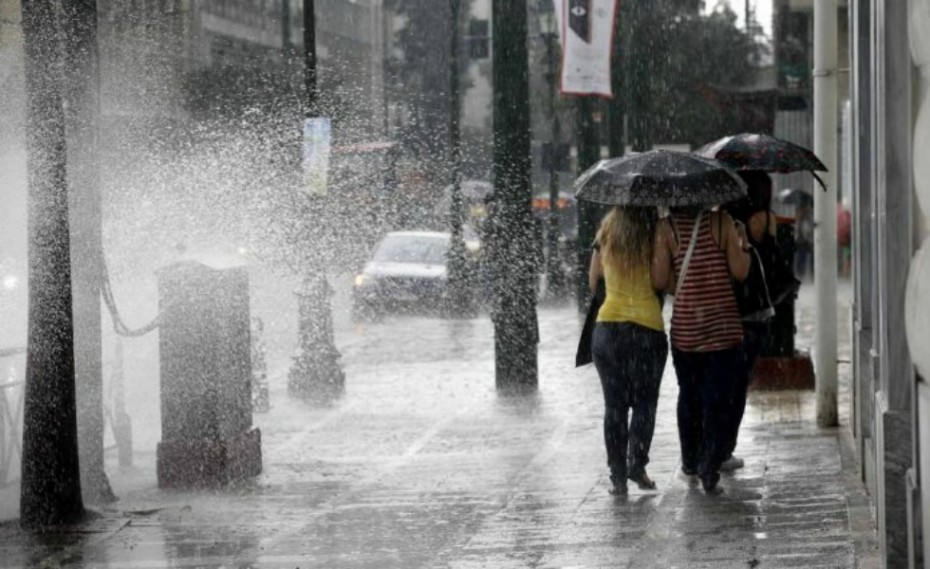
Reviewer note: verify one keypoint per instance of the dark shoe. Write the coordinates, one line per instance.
(643, 481)
(618, 489)
(709, 483)
(688, 476)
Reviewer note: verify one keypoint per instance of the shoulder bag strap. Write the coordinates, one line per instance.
(770, 310)
(688, 253)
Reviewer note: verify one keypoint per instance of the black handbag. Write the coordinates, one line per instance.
(583, 355)
(752, 294)
(779, 275)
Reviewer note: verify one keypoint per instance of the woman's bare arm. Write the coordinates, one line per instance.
(758, 223)
(736, 249)
(661, 271)
(595, 270)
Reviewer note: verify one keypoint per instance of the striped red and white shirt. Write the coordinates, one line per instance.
(705, 317)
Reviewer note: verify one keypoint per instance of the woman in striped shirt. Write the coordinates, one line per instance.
(706, 329)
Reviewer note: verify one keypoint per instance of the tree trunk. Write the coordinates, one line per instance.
(81, 95)
(516, 332)
(51, 483)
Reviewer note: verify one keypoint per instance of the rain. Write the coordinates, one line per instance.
(300, 282)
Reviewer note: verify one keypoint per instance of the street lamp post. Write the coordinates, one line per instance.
(316, 373)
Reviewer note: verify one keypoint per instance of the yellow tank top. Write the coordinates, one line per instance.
(631, 298)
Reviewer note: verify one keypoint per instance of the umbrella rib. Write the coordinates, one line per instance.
(816, 177)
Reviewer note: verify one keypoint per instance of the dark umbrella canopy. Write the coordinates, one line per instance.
(659, 178)
(762, 152)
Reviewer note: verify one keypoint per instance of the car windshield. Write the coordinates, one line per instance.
(429, 250)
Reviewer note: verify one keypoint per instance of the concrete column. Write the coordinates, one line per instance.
(825, 128)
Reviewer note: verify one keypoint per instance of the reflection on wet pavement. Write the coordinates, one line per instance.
(423, 464)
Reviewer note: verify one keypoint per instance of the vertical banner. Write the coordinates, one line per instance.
(586, 31)
(317, 139)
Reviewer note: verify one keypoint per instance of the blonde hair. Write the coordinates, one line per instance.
(626, 236)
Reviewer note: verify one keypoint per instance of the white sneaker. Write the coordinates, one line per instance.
(731, 464)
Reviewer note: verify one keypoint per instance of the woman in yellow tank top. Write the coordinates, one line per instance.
(629, 345)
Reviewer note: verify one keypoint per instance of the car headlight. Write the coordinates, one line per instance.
(362, 280)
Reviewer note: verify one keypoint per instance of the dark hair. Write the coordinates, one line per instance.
(626, 236)
(759, 189)
(687, 210)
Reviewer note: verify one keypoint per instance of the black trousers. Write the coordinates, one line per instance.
(706, 381)
(630, 360)
(755, 334)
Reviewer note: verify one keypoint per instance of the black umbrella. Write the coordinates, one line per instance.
(659, 178)
(762, 152)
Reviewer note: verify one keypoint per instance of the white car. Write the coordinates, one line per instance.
(407, 272)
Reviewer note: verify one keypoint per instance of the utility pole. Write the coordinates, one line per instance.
(555, 279)
(589, 152)
(516, 331)
(82, 112)
(616, 110)
(315, 373)
(310, 60)
(286, 44)
(458, 278)
(51, 482)
(640, 58)
(825, 271)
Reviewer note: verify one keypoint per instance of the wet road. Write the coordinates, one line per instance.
(423, 464)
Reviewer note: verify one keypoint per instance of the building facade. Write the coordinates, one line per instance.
(890, 86)
(177, 59)
(11, 69)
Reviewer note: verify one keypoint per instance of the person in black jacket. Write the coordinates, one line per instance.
(760, 223)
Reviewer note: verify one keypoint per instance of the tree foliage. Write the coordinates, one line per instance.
(418, 72)
(693, 57)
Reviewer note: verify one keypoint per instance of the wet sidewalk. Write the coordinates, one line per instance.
(423, 464)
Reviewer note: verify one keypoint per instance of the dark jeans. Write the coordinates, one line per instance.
(630, 360)
(755, 334)
(705, 393)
